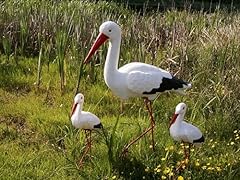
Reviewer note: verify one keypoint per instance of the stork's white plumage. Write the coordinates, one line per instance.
(135, 79)
(184, 132)
(84, 120)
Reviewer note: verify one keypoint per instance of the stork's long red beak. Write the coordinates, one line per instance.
(98, 42)
(173, 119)
(73, 108)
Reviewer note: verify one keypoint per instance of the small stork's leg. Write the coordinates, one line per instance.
(189, 151)
(186, 157)
(149, 108)
(90, 140)
(185, 151)
(121, 106)
(87, 147)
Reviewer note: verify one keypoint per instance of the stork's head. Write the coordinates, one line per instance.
(108, 30)
(79, 99)
(180, 110)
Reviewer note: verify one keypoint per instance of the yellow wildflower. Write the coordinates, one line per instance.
(158, 170)
(232, 143)
(147, 169)
(164, 177)
(171, 148)
(151, 146)
(210, 168)
(204, 167)
(218, 169)
(197, 164)
(180, 178)
(235, 131)
(166, 170)
(180, 152)
(114, 177)
(163, 159)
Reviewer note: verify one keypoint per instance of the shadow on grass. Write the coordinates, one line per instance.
(131, 168)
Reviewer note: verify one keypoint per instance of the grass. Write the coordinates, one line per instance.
(43, 45)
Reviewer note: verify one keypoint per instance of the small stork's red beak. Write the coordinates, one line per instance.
(98, 42)
(173, 119)
(74, 106)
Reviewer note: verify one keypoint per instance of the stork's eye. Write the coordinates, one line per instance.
(109, 30)
(183, 107)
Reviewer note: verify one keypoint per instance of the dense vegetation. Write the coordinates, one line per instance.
(43, 44)
(206, 5)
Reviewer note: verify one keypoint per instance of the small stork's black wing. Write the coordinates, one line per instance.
(200, 140)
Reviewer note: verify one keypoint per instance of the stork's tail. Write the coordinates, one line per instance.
(187, 85)
(171, 84)
(182, 85)
(198, 142)
(98, 126)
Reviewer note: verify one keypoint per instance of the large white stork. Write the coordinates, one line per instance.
(135, 79)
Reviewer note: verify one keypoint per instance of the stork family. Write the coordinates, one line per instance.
(134, 80)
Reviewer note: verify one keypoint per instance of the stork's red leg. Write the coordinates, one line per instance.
(148, 104)
(87, 148)
(149, 108)
(186, 157)
(189, 151)
(90, 140)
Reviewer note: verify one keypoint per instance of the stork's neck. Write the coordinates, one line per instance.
(79, 109)
(179, 119)
(111, 64)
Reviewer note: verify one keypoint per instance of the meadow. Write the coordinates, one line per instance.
(43, 45)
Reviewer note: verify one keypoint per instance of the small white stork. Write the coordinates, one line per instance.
(135, 79)
(184, 132)
(84, 120)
